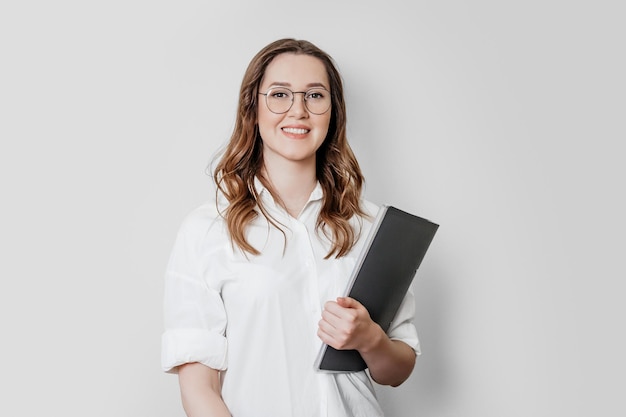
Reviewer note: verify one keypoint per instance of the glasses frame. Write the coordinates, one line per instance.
(293, 96)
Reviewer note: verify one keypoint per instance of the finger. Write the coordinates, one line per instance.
(340, 317)
(348, 302)
(334, 308)
(324, 337)
(326, 327)
(342, 304)
(354, 307)
(327, 339)
(331, 336)
(334, 319)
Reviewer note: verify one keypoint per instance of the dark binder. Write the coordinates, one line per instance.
(384, 271)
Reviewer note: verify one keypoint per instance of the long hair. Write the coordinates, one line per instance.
(338, 171)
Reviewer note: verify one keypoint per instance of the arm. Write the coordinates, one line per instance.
(201, 391)
(346, 324)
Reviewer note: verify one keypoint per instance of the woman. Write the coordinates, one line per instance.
(254, 277)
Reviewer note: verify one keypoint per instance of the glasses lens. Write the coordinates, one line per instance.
(279, 100)
(317, 100)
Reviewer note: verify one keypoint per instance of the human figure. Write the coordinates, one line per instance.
(254, 280)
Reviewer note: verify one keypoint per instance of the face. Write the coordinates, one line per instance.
(296, 135)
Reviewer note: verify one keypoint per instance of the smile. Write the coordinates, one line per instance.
(296, 131)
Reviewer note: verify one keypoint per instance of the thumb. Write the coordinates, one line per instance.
(347, 302)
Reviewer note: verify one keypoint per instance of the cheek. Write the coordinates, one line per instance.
(326, 125)
(267, 120)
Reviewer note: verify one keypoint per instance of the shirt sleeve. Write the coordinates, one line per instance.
(194, 315)
(402, 327)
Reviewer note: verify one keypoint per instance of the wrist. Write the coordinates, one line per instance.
(375, 337)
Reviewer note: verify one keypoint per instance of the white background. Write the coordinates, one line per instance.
(502, 121)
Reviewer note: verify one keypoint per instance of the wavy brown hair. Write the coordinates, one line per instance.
(337, 170)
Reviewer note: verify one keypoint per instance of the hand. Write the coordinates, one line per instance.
(346, 324)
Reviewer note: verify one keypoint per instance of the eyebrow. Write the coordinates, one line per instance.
(285, 84)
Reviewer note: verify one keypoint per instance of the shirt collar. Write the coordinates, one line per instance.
(316, 194)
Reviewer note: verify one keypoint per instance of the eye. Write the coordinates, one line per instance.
(315, 94)
(280, 94)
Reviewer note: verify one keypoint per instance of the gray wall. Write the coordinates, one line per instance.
(502, 121)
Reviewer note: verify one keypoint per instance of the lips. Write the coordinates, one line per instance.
(295, 130)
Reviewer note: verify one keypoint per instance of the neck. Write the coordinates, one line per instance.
(292, 182)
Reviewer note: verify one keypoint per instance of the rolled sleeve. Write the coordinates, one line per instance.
(194, 314)
(402, 327)
(195, 325)
(180, 346)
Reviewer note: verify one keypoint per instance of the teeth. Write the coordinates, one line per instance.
(295, 131)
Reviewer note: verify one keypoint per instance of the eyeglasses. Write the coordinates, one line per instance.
(280, 99)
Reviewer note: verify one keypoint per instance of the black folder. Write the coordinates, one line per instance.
(384, 271)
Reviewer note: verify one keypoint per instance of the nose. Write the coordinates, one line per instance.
(298, 107)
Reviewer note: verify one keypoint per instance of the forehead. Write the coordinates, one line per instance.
(295, 70)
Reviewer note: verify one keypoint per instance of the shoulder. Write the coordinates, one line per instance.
(202, 226)
(363, 223)
(370, 209)
(202, 217)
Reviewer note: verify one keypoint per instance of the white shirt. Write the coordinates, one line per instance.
(256, 317)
